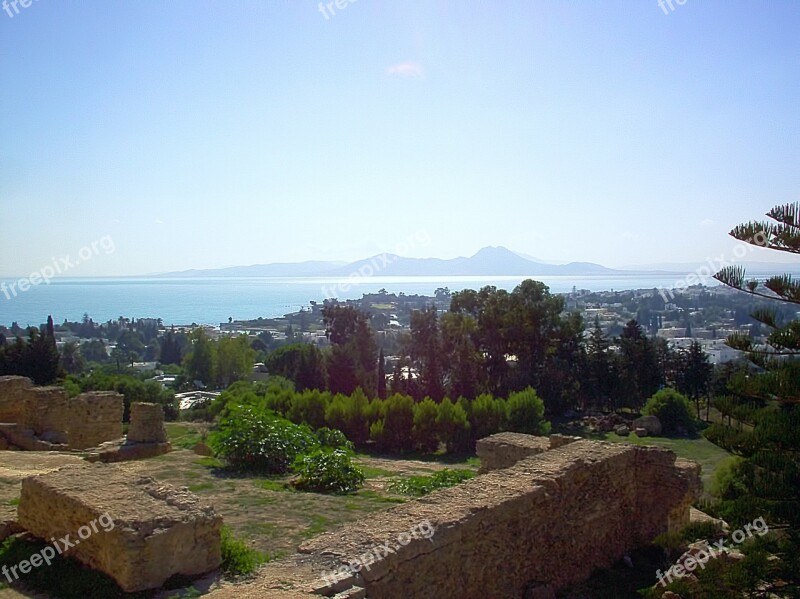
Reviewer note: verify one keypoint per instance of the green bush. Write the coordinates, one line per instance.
(424, 431)
(256, 440)
(350, 414)
(308, 407)
(673, 410)
(237, 558)
(328, 470)
(488, 415)
(418, 486)
(333, 438)
(526, 413)
(398, 422)
(453, 425)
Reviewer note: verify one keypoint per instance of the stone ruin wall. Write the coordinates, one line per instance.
(84, 421)
(540, 525)
(147, 423)
(13, 390)
(96, 417)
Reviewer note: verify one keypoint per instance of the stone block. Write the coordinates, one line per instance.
(158, 530)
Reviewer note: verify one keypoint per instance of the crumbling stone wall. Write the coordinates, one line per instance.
(503, 450)
(543, 523)
(95, 417)
(13, 391)
(147, 423)
(46, 414)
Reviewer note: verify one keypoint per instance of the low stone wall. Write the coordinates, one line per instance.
(95, 417)
(147, 423)
(13, 390)
(503, 450)
(42, 418)
(138, 531)
(544, 523)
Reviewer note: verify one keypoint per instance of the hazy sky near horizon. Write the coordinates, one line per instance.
(200, 134)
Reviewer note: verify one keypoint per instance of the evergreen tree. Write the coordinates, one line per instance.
(381, 376)
(766, 483)
(599, 372)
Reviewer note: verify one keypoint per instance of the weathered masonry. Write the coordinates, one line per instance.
(546, 514)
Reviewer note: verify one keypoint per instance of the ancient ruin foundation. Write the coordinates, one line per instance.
(530, 528)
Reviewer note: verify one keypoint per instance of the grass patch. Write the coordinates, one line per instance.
(201, 487)
(13, 501)
(418, 486)
(182, 435)
(319, 524)
(273, 485)
(372, 472)
(210, 462)
(238, 559)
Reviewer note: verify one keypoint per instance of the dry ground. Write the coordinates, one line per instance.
(265, 512)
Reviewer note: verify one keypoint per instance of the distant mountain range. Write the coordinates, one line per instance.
(490, 261)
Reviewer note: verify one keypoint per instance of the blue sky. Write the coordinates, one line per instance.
(203, 134)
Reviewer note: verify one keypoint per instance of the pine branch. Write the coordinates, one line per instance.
(788, 214)
(785, 286)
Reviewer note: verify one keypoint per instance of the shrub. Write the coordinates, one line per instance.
(451, 420)
(422, 485)
(398, 422)
(333, 438)
(526, 413)
(672, 409)
(308, 407)
(378, 434)
(488, 415)
(328, 470)
(256, 440)
(425, 429)
(237, 558)
(350, 414)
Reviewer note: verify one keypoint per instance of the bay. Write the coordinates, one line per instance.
(212, 300)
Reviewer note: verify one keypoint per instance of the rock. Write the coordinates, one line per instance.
(640, 431)
(650, 423)
(622, 430)
(696, 516)
(138, 531)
